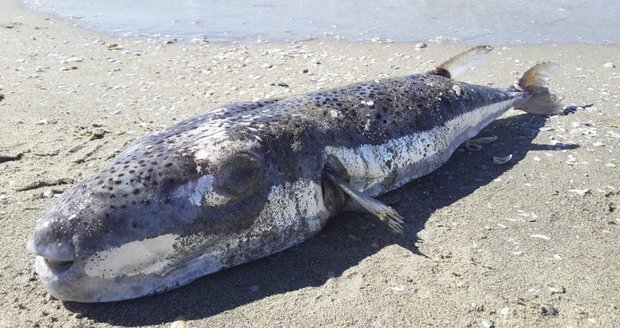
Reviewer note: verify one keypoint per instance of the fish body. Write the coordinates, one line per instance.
(251, 179)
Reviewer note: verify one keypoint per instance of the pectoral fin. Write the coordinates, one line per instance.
(384, 212)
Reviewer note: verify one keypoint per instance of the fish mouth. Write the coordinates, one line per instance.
(53, 259)
(52, 269)
(57, 268)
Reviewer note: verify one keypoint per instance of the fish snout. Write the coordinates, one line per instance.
(55, 248)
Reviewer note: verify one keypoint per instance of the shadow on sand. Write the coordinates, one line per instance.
(333, 250)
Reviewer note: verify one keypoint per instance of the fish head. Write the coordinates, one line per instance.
(166, 211)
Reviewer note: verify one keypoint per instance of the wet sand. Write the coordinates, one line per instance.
(530, 243)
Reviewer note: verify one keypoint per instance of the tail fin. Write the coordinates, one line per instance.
(534, 82)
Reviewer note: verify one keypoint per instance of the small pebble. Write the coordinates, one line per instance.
(556, 289)
(71, 60)
(398, 288)
(504, 311)
(114, 46)
(68, 68)
(457, 89)
(421, 45)
(42, 122)
(500, 160)
(539, 236)
(548, 310)
(580, 192)
(609, 65)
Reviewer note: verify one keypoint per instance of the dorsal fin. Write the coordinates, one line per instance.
(460, 63)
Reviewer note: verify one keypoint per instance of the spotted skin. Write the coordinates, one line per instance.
(244, 181)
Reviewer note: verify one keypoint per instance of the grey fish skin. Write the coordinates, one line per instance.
(247, 180)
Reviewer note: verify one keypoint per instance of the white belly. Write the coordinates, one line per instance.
(376, 169)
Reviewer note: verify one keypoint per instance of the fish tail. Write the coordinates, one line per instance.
(534, 83)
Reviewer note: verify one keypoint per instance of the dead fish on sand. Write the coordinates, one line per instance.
(251, 179)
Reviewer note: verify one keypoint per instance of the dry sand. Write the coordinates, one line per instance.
(531, 243)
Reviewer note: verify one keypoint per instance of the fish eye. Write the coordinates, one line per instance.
(240, 175)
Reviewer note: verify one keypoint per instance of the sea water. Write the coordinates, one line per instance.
(481, 21)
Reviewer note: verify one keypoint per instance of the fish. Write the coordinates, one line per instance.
(250, 179)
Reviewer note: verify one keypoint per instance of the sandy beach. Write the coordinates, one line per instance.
(532, 243)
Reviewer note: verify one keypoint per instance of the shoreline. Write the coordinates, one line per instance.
(327, 34)
(531, 243)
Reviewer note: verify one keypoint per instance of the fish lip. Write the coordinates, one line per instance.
(58, 268)
(52, 261)
(42, 242)
(59, 279)
(50, 269)
(56, 261)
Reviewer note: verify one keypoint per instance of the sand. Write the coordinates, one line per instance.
(530, 243)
